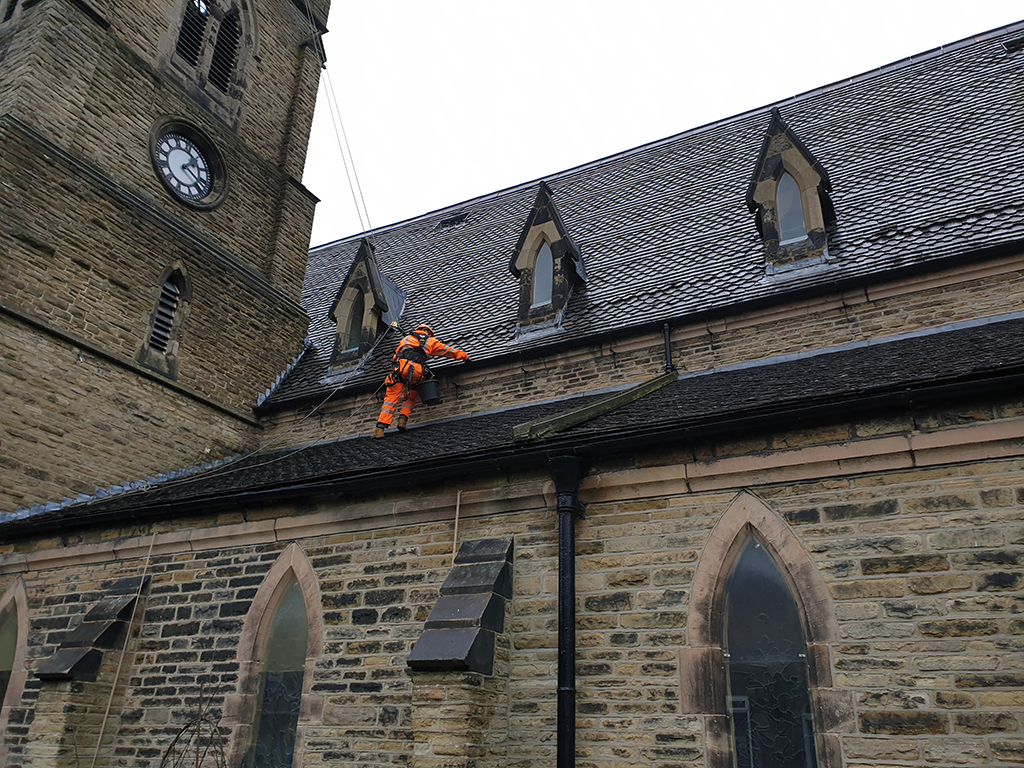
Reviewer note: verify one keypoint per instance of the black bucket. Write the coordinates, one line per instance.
(430, 391)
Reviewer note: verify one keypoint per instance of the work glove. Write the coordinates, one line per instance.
(460, 355)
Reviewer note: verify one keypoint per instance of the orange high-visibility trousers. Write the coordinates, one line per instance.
(401, 391)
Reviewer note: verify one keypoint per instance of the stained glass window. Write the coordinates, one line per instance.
(543, 273)
(766, 663)
(791, 210)
(279, 688)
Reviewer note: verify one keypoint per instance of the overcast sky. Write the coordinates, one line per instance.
(443, 101)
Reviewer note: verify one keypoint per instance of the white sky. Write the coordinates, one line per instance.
(443, 101)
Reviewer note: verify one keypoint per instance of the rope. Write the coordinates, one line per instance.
(124, 650)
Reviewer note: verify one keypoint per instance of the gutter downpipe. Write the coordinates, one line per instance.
(565, 472)
(669, 366)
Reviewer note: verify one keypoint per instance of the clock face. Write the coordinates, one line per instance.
(185, 168)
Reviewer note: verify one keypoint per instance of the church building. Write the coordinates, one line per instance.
(732, 478)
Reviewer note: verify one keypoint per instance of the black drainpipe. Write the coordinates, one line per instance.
(669, 366)
(565, 471)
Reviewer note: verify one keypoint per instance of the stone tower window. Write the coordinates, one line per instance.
(766, 666)
(225, 52)
(279, 685)
(9, 9)
(166, 324)
(208, 53)
(163, 322)
(193, 31)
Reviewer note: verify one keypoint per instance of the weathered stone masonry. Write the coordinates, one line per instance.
(920, 565)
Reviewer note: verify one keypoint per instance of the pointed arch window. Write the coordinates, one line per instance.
(8, 10)
(543, 275)
(279, 685)
(8, 645)
(355, 322)
(163, 318)
(766, 666)
(13, 642)
(791, 211)
(159, 351)
(225, 52)
(193, 31)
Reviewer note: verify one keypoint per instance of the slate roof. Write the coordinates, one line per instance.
(923, 365)
(926, 159)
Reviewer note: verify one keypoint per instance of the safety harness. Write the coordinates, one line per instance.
(414, 354)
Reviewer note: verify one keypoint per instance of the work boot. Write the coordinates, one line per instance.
(379, 431)
(402, 421)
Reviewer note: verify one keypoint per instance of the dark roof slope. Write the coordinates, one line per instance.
(926, 160)
(985, 354)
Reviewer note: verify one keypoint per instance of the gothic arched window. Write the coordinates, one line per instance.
(355, 322)
(163, 316)
(282, 665)
(790, 210)
(193, 31)
(225, 52)
(13, 641)
(543, 275)
(765, 656)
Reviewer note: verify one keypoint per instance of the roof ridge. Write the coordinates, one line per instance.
(899, 64)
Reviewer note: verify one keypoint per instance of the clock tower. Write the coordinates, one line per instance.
(153, 231)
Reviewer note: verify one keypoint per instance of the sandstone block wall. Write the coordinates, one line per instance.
(101, 96)
(918, 558)
(74, 421)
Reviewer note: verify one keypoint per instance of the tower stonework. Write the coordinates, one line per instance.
(153, 231)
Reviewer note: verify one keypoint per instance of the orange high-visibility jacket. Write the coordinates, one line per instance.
(412, 353)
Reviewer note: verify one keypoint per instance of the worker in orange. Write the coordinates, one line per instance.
(409, 369)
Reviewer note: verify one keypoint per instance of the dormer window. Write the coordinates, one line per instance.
(543, 274)
(366, 303)
(547, 264)
(789, 196)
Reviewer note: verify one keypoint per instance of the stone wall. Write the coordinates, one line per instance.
(75, 420)
(914, 535)
(100, 98)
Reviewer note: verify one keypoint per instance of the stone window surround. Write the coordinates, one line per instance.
(783, 152)
(343, 314)
(538, 313)
(240, 707)
(701, 667)
(19, 675)
(166, 363)
(224, 104)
